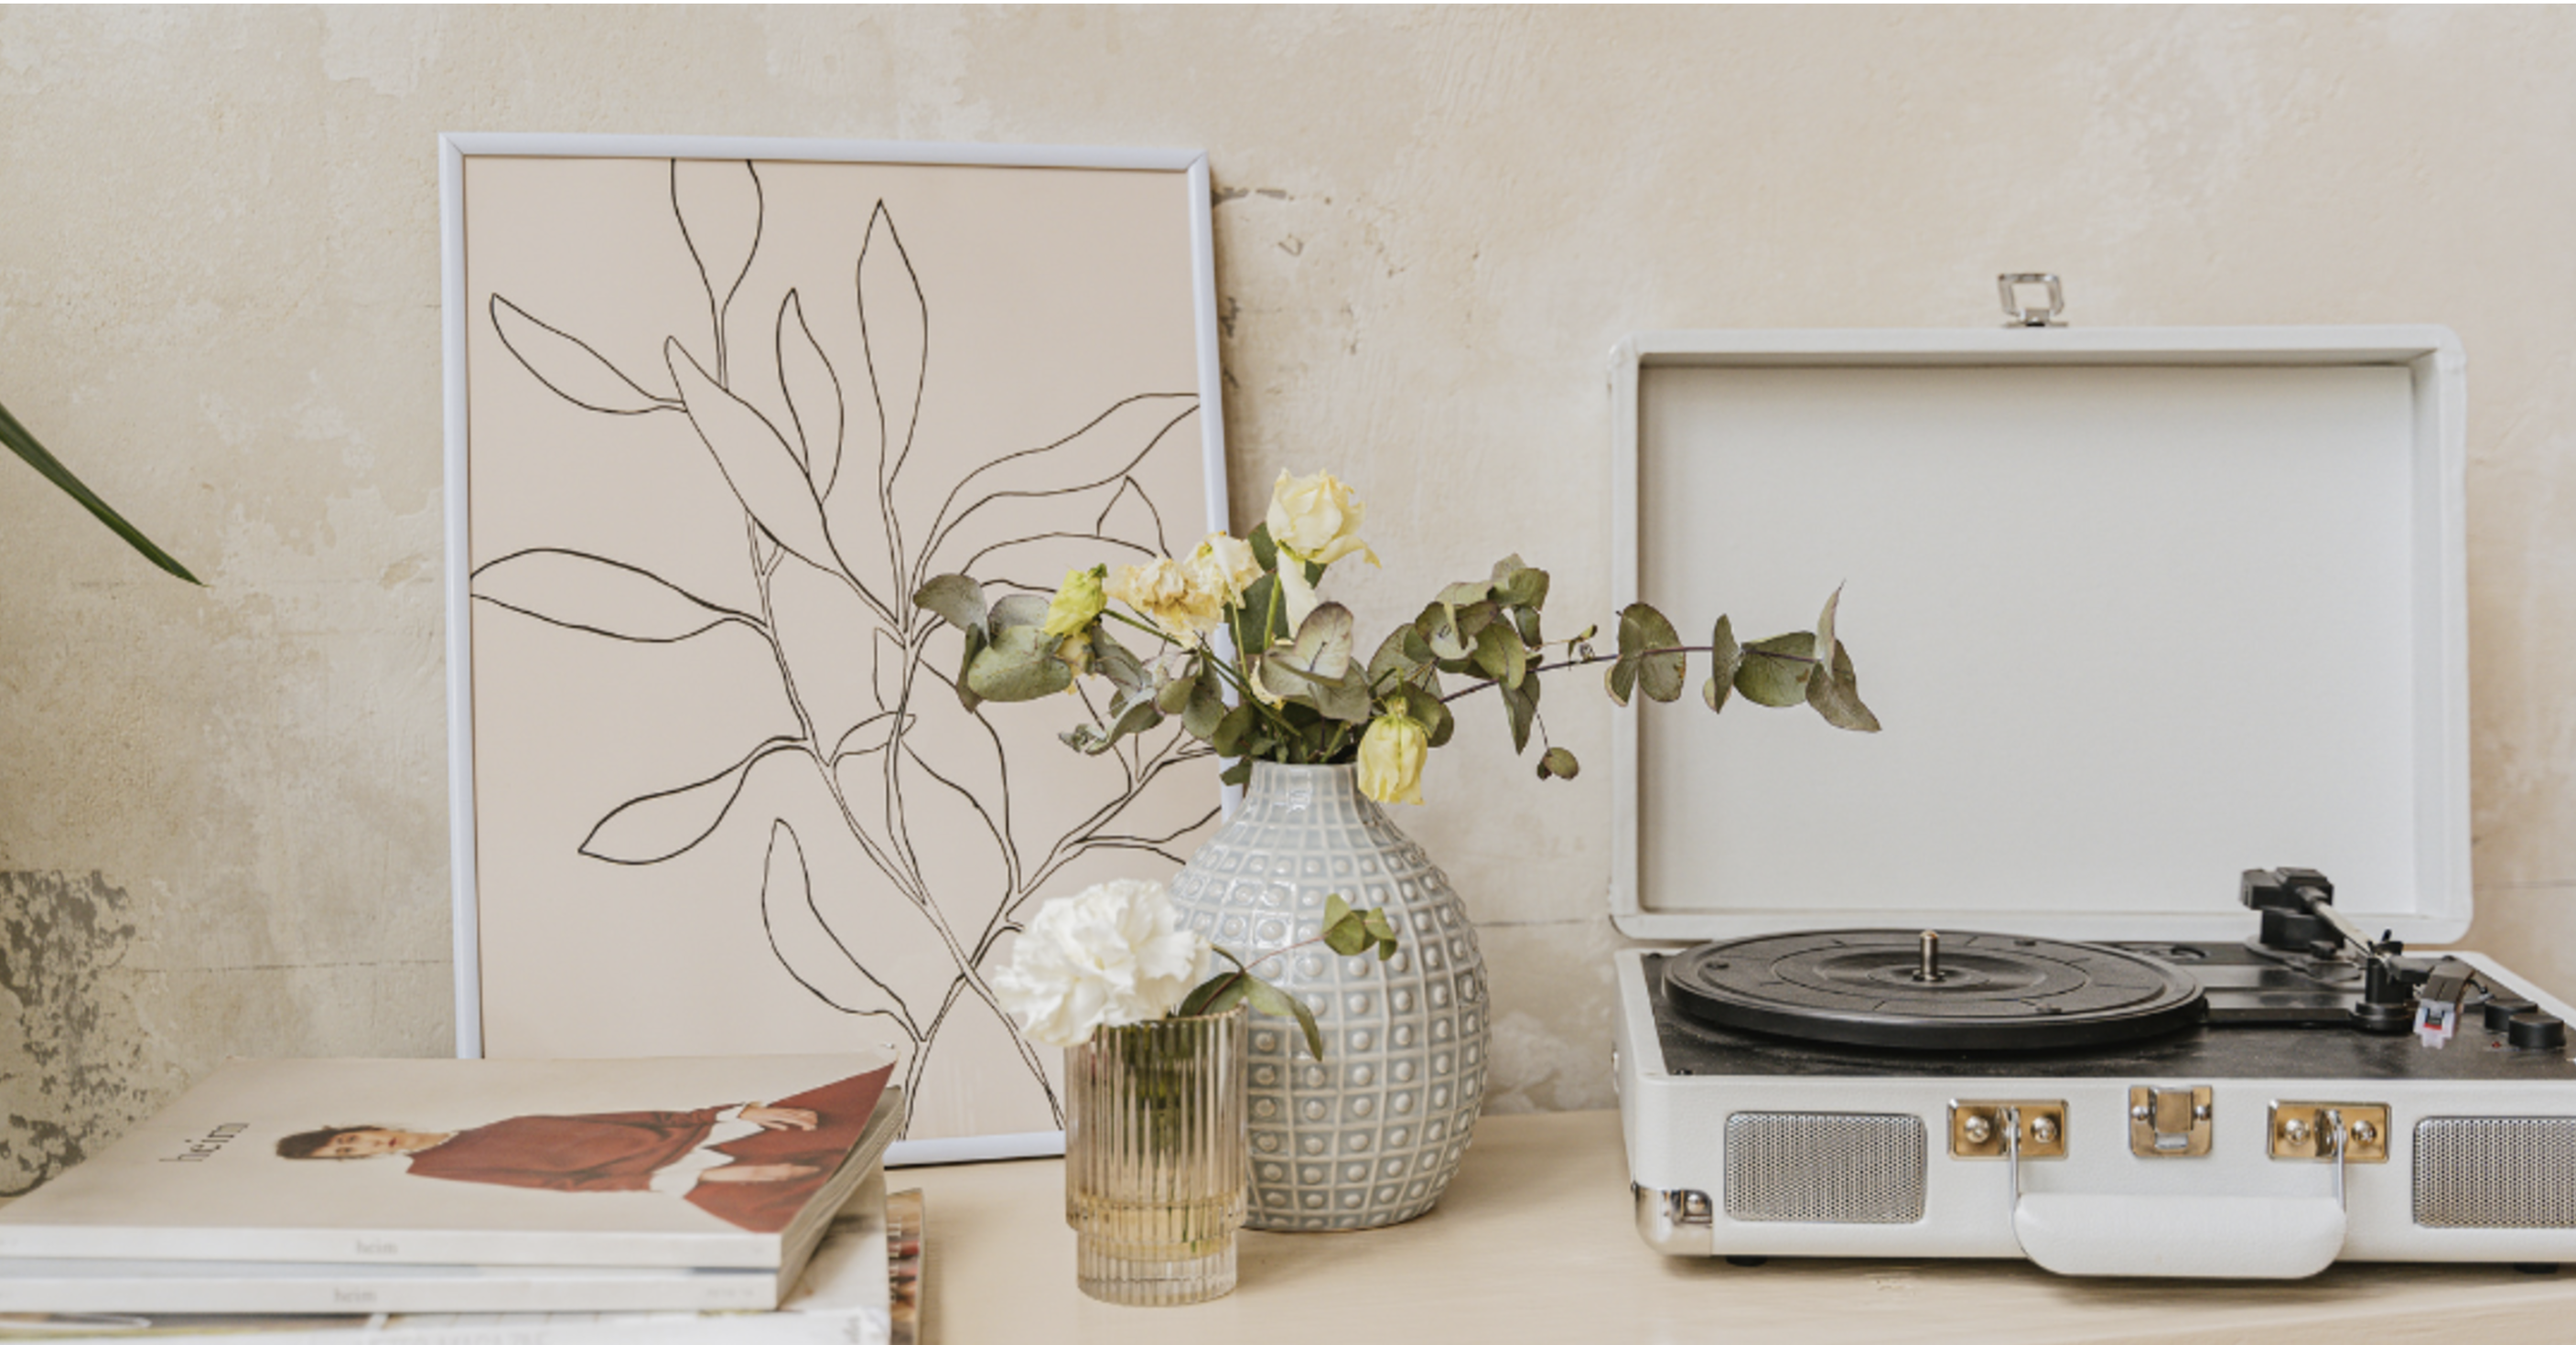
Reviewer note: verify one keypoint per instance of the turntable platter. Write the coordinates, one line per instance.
(1919, 990)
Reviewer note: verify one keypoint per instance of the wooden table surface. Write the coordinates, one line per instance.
(1535, 1241)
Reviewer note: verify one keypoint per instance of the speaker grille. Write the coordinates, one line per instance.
(2495, 1172)
(1824, 1167)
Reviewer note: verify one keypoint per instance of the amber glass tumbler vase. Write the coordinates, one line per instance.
(1154, 1158)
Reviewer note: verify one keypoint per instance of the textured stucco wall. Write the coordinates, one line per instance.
(223, 813)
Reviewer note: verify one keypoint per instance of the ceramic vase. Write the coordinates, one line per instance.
(1371, 1134)
(1154, 1158)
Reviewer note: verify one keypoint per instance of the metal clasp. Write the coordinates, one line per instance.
(2169, 1122)
(2009, 286)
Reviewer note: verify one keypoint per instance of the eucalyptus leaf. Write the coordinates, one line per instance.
(954, 598)
(1621, 680)
(1500, 654)
(1265, 550)
(1431, 712)
(1019, 665)
(1474, 617)
(1232, 730)
(1525, 620)
(1172, 695)
(965, 691)
(1775, 670)
(1459, 596)
(1558, 762)
(1392, 663)
(1237, 774)
(1269, 999)
(1438, 626)
(1728, 656)
(1517, 585)
(1825, 620)
(1207, 706)
(1836, 696)
(1130, 713)
(1019, 609)
(1112, 660)
(1661, 665)
(1520, 708)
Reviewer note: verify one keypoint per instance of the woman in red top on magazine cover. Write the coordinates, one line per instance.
(707, 1156)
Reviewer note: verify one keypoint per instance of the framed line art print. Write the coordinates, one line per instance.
(715, 409)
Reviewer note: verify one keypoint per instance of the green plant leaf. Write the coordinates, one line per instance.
(1393, 662)
(1233, 730)
(1345, 932)
(1461, 596)
(1112, 660)
(1621, 679)
(1019, 609)
(1207, 704)
(1277, 1003)
(1019, 665)
(1265, 549)
(1525, 620)
(965, 688)
(1728, 656)
(24, 444)
(1520, 708)
(1438, 626)
(1659, 674)
(1517, 585)
(1775, 670)
(1558, 762)
(1836, 696)
(1500, 654)
(955, 599)
(1237, 774)
(1431, 712)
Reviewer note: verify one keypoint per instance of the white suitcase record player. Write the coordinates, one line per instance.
(2146, 614)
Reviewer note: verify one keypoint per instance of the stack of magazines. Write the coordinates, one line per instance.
(362, 1189)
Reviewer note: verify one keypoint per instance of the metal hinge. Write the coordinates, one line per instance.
(2015, 314)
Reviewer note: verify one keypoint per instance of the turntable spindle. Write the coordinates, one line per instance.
(1929, 969)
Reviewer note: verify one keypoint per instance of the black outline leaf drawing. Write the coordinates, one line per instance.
(569, 367)
(926, 854)
(655, 827)
(602, 596)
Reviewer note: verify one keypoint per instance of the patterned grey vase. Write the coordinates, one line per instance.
(1370, 1135)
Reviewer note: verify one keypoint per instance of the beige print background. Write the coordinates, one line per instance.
(223, 814)
(986, 369)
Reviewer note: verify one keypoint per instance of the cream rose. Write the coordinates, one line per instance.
(1110, 955)
(1162, 592)
(1224, 566)
(1316, 518)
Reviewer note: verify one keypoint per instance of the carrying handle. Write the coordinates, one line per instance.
(2200, 1237)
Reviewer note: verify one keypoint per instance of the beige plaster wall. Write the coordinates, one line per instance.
(223, 812)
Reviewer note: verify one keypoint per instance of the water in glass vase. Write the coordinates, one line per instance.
(1155, 1160)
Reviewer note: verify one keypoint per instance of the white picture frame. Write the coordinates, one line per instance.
(554, 347)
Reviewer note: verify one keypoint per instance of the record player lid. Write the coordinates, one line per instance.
(2140, 609)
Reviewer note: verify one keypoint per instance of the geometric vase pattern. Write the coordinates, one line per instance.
(1371, 1134)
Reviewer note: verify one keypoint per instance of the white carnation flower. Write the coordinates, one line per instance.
(1110, 955)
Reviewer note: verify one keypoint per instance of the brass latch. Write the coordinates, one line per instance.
(2168, 1122)
(1986, 1129)
(2310, 1131)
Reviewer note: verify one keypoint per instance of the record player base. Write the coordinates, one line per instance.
(1537, 1241)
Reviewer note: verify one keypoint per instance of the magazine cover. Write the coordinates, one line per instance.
(716, 1162)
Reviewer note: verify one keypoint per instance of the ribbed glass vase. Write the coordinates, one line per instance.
(1154, 1158)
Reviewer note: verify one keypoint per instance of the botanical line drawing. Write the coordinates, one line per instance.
(836, 496)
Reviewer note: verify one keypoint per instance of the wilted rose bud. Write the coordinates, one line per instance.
(1391, 756)
(1077, 603)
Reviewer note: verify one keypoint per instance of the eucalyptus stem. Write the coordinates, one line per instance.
(1748, 651)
